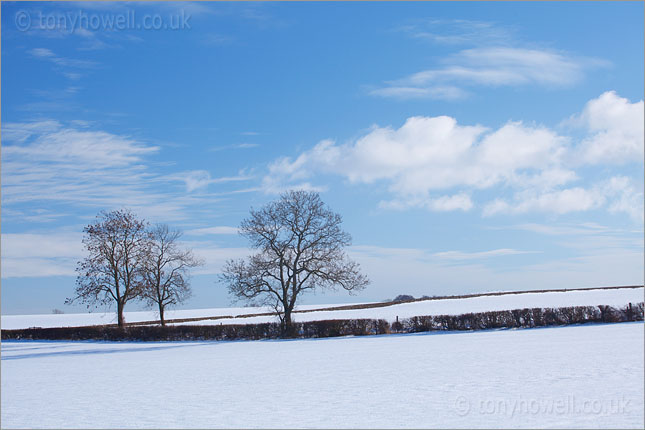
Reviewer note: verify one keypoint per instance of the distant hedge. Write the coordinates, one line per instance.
(518, 318)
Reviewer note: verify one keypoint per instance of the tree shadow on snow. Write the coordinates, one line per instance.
(95, 351)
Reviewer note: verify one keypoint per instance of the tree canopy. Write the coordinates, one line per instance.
(300, 248)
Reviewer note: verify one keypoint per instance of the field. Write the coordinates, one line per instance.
(449, 306)
(576, 376)
(567, 377)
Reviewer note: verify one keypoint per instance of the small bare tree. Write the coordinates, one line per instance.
(300, 248)
(117, 244)
(167, 277)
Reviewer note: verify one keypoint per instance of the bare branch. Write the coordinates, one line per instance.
(167, 269)
(116, 244)
(300, 248)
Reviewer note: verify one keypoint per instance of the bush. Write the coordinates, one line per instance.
(536, 317)
(403, 298)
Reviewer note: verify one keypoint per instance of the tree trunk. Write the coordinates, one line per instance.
(119, 310)
(161, 309)
(287, 324)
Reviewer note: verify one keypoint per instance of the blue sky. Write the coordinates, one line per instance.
(469, 146)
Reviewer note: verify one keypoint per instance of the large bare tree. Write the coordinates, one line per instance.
(117, 244)
(167, 265)
(300, 248)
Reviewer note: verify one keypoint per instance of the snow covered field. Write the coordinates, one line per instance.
(575, 376)
(97, 318)
(612, 297)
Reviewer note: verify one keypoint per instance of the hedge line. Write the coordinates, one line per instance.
(536, 317)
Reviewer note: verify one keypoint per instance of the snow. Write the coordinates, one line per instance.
(96, 318)
(567, 377)
(613, 297)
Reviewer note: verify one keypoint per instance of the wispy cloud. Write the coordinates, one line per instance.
(459, 255)
(36, 255)
(68, 67)
(217, 39)
(235, 146)
(439, 258)
(197, 179)
(493, 67)
(97, 149)
(406, 92)
(562, 230)
(20, 132)
(49, 55)
(461, 201)
(419, 272)
(48, 162)
(458, 31)
(587, 237)
(217, 230)
(73, 76)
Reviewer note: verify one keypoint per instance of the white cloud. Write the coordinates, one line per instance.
(490, 66)
(459, 201)
(285, 175)
(429, 154)
(403, 156)
(618, 193)
(627, 197)
(437, 164)
(451, 203)
(433, 153)
(616, 129)
(560, 202)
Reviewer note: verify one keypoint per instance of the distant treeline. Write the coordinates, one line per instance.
(518, 318)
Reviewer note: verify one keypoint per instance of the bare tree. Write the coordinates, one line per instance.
(167, 277)
(117, 244)
(300, 248)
